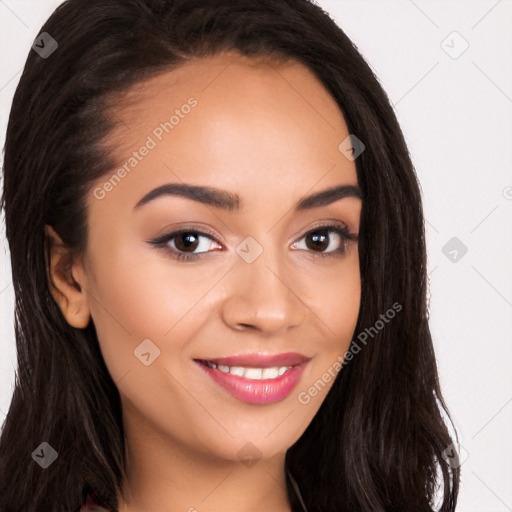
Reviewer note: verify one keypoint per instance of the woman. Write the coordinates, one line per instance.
(219, 262)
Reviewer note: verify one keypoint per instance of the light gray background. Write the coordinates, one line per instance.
(456, 114)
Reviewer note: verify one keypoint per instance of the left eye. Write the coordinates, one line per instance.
(319, 239)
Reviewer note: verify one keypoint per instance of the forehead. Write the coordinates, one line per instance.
(236, 76)
(232, 120)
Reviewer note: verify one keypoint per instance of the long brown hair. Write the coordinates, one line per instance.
(376, 443)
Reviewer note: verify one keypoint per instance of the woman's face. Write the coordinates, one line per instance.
(262, 278)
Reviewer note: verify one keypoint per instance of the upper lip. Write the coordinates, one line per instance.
(261, 360)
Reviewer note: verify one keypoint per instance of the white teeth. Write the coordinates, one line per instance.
(237, 370)
(270, 373)
(251, 373)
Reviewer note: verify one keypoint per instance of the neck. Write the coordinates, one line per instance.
(164, 476)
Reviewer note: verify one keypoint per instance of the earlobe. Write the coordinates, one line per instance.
(69, 294)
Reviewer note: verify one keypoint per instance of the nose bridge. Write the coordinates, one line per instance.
(262, 293)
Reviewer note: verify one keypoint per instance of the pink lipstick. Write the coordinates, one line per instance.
(256, 378)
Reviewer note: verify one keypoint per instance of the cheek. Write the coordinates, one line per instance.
(335, 300)
(345, 309)
(134, 298)
(125, 307)
(336, 308)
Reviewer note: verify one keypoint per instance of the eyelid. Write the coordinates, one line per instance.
(201, 230)
(328, 223)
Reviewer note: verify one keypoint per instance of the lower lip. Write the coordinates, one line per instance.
(256, 391)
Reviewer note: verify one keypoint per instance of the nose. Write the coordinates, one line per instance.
(263, 297)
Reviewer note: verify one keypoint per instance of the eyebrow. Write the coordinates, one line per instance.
(231, 201)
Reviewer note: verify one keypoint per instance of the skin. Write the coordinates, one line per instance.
(269, 132)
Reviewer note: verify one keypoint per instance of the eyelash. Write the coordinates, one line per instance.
(340, 229)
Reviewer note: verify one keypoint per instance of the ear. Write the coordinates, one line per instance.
(63, 267)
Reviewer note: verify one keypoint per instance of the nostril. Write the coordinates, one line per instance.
(248, 326)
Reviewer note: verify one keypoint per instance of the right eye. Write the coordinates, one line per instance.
(181, 244)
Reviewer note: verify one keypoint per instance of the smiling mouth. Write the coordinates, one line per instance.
(256, 378)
